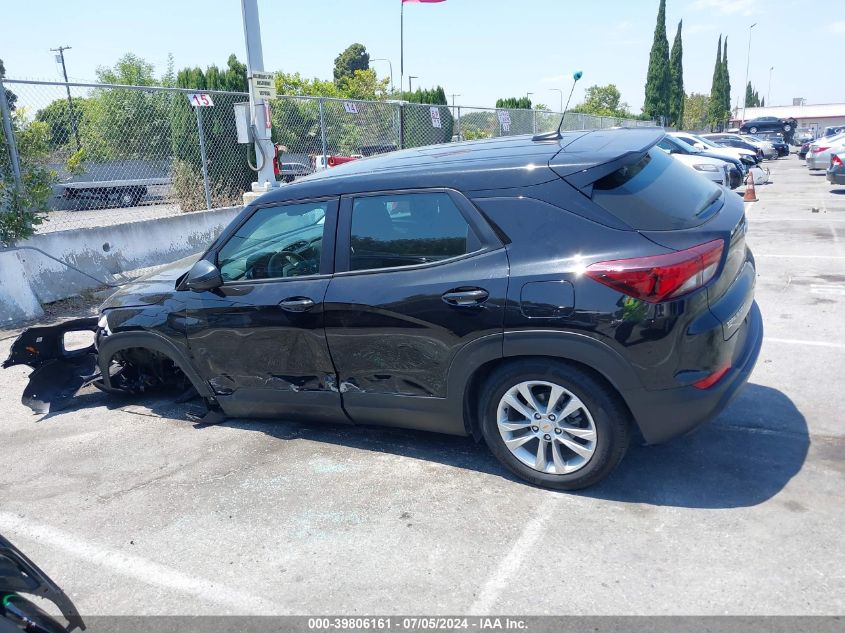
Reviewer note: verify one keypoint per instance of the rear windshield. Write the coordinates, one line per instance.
(658, 193)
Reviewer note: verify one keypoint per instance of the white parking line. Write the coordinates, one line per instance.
(132, 566)
(510, 564)
(792, 341)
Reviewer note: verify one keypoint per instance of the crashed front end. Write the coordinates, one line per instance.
(59, 372)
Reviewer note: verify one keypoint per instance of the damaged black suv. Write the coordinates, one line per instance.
(554, 295)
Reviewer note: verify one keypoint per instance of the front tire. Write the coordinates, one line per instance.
(752, 130)
(554, 425)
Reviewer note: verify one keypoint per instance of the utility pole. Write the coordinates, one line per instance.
(384, 59)
(558, 90)
(61, 55)
(410, 79)
(259, 109)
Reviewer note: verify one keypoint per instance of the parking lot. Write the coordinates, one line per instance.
(133, 510)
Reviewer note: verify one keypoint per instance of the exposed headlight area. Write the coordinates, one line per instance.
(706, 167)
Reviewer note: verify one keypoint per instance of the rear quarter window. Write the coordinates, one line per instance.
(657, 193)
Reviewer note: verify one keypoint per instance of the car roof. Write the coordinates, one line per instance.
(505, 162)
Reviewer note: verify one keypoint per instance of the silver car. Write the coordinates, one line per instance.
(820, 151)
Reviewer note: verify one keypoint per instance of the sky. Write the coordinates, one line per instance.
(478, 49)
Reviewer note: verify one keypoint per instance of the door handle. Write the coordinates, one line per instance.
(297, 304)
(466, 298)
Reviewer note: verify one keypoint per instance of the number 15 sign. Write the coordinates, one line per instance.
(200, 100)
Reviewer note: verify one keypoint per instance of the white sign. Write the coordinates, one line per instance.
(504, 120)
(263, 85)
(200, 100)
(435, 117)
(351, 107)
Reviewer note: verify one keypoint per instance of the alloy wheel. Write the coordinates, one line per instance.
(546, 427)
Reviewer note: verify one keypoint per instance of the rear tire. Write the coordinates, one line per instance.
(587, 416)
(752, 130)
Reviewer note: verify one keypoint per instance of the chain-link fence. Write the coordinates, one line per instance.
(118, 153)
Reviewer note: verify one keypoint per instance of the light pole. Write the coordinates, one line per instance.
(410, 79)
(560, 91)
(769, 91)
(747, 66)
(384, 59)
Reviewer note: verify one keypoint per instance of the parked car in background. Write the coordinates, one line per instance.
(833, 130)
(836, 169)
(748, 157)
(770, 123)
(711, 168)
(741, 142)
(692, 156)
(288, 172)
(802, 152)
(804, 135)
(821, 151)
(603, 291)
(776, 140)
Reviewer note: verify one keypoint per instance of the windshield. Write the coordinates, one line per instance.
(686, 147)
(710, 144)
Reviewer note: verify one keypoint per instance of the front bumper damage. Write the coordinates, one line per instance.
(58, 372)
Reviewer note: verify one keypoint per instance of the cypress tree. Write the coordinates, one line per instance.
(716, 100)
(676, 74)
(657, 86)
(749, 95)
(726, 83)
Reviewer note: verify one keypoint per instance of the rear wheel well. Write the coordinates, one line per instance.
(476, 382)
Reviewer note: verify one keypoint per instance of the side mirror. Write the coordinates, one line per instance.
(203, 276)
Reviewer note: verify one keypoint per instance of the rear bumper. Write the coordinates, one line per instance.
(818, 161)
(667, 413)
(836, 177)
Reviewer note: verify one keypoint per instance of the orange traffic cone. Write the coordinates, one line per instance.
(750, 193)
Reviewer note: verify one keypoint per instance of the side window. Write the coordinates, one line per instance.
(276, 242)
(407, 229)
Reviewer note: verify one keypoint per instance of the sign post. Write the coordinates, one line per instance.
(200, 101)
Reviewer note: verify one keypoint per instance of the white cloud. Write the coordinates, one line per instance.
(727, 7)
(837, 27)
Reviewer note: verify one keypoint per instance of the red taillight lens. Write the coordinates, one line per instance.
(712, 379)
(819, 150)
(835, 161)
(660, 277)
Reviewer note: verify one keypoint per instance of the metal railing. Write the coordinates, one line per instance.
(119, 153)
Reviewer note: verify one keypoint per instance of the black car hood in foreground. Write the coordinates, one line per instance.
(152, 288)
(18, 574)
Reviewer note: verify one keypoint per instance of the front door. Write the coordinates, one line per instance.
(418, 276)
(259, 340)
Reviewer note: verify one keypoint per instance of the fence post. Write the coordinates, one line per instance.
(10, 139)
(460, 136)
(534, 125)
(203, 157)
(323, 133)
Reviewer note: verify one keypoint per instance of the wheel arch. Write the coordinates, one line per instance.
(472, 366)
(111, 345)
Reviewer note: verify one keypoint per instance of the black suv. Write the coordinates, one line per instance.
(553, 295)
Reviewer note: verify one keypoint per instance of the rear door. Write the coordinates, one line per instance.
(419, 275)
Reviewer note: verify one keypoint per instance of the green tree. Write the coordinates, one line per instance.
(21, 211)
(657, 87)
(696, 112)
(603, 101)
(677, 96)
(418, 127)
(718, 115)
(228, 172)
(355, 57)
(752, 97)
(726, 83)
(514, 103)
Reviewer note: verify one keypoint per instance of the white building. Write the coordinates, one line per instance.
(815, 117)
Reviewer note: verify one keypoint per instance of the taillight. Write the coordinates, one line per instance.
(835, 161)
(818, 150)
(659, 277)
(712, 379)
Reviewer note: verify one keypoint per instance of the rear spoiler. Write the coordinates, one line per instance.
(593, 156)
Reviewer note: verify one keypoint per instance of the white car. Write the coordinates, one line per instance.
(821, 151)
(745, 155)
(712, 168)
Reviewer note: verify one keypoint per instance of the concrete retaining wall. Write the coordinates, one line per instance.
(28, 278)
